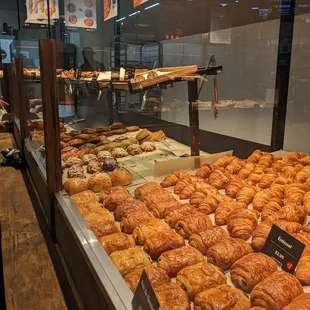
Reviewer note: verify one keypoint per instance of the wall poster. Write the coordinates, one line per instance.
(109, 9)
(138, 2)
(37, 11)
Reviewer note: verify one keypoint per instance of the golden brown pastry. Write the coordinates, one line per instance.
(218, 178)
(128, 206)
(224, 253)
(223, 297)
(156, 275)
(162, 242)
(117, 196)
(130, 259)
(295, 192)
(204, 239)
(235, 166)
(224, 209)
(149, 229)
(242, 222)
(197, 221)
(294, 156)
(306, 228)
(99, 182)
(175, 215)
(267, 180)
(303, 174)
(173, 178)
(262, 231)
(175, 260)
(250, 269)
(146, 189)
(246, 194)
(302, 271)
(273, 206)
(205, 188)
(233, 187)
(246, 170)
(97, 215)
(204, 171)
(121, 176)
(266, 160)
(223, 161)
(133, 219)
(302, 302)
(117, 242)
(172, 297)
(84, 197)
(104, 228)
(74, 186)
(185, 182)
(255, 156)
(276, 291)
(306, 201)
(200, 277)
(261, 199)
(210, 203)
(196, 198)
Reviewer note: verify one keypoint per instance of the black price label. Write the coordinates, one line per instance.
(283, 248)
(145, 298)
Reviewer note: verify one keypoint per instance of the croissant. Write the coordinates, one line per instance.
(171, 296)
(116, 242)
(162, 242)
(175, 260)
(210, 203)
(133, 219)
(282, 180)
(224, 253)
(233, 187)
(183, 183)
(158, 196)
(302, 270)
(148, 229)
(196, 199)
(294, 156)
(302, 302)
(162, 206)
(223, 161)
(242, 222)
(104, 228)
(277, 190)
(174, 216)
(255, 177)
(308, 182)
(205, 188)
(306, 201)
(129, 260)
(203, 240)
(173, 178)
(262, 231)
(306, 228)
(255, 156)
(276, 291)
(200, 277)
(295, 192)
(261, 199)
(195, 222)
(246, 170)
(246, 194)
(116, 197)
(204, 171)
(221, 298)
(267, 180)
(127, 207)
(250, 269)
(157, 277)
(266, 160)
(305, 239)
(289, 172)
(224, 209)
(235, 166)
(273, 206)
(218, 179)
(188, 191)
(303, 174)
(146, 189)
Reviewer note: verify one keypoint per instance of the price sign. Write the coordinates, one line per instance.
(283, 248)
(145, 298)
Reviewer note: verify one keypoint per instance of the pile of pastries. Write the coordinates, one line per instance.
(194, 234)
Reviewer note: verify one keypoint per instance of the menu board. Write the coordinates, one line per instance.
(138, 2)
(109, 9)
(220, 26)
(81, 13)
(37, 10)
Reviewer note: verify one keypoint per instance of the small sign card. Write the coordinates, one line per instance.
(145, 298)
(283, 248)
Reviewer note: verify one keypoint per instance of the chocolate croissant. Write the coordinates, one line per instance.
(117, 242)
(127, 207)
(204, 171)
(116, 197)
(224, 209)
(146, 189)
(129, 260)
(250, 269)
(162, 242)
(224, 253)
(203, 240)
(233, 187)
(246, 194)
(174, 216)
(156, 276)
(173, 178)
(175, 260)
(221, 298)
(200, 277)
(218, 178)
(261, 199)
(133, 219)
(302, 302)
(171, 296)
(276, 291)
(242, 222)
(161, 206)
(148, 229)
(197, 221)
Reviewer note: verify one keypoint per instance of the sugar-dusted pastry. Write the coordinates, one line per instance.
(261, 199)
(117, 196)
(218, 178)
(233, 187)
(128, 206)
(162, 242)
(224, 253)
(200, 277)
(175, 260)
(103, 154)
(302, 302)
(130, 259)
(250, 269)
(195, 222)
(148, 146)
(262, 231)
(117, 242)
(149, 229)
(273, 206)
(104, 228)
(109, 164)
(75, 185)
(276, 291)
(84, 197)
(173, 178)
(146, 189)
(99, 181)
(175, 215)
(242, 222)
(223, 297)
(121, 176)
(94, 166)
(134, 149)
(210, 202)
(246, 170)
(119, 152)
(224, 209)
(204, 171)
(69, 162)
(204, 239)
(302, 271)
(133, 219)
(306, 202)
(76, 171)
(156, 275)
(88, 158)
(172, 297)
(223, 161)
(246, 194)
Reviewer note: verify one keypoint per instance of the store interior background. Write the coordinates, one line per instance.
(249, 59)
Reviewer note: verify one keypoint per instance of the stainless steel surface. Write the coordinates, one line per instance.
(109, 279)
